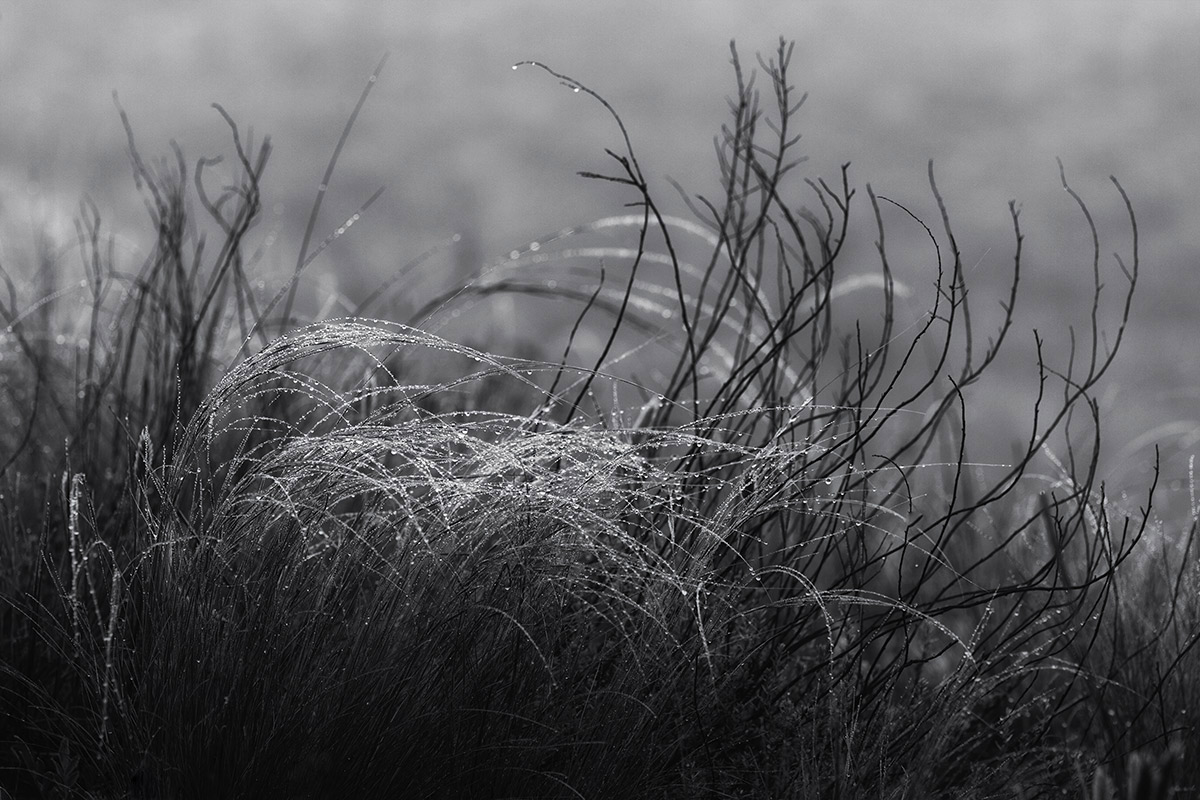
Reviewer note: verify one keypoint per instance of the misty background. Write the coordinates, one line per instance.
(992, 92)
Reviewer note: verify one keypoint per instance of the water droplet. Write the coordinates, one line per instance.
(514, 255)
(456, 237)
(535, 246)
(576, 90)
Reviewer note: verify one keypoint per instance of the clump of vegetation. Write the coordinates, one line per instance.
(246, 557)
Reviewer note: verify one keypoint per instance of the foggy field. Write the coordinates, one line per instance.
(464, 145)
(722, 469)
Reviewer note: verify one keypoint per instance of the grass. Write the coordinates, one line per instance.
(715, 542)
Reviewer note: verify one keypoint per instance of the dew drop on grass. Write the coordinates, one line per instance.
(535, 246)
(514, 255)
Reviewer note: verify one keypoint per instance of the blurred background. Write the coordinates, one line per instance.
(991, 91)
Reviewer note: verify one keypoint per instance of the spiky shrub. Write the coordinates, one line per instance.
(347, 573)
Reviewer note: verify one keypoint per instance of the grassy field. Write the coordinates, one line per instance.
(711, 526)
(992, 92)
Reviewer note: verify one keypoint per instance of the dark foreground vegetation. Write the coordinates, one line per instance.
(714, 542)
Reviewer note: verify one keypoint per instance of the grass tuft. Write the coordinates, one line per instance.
(716, 541)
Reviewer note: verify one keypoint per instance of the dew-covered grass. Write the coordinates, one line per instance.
(702, 537)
